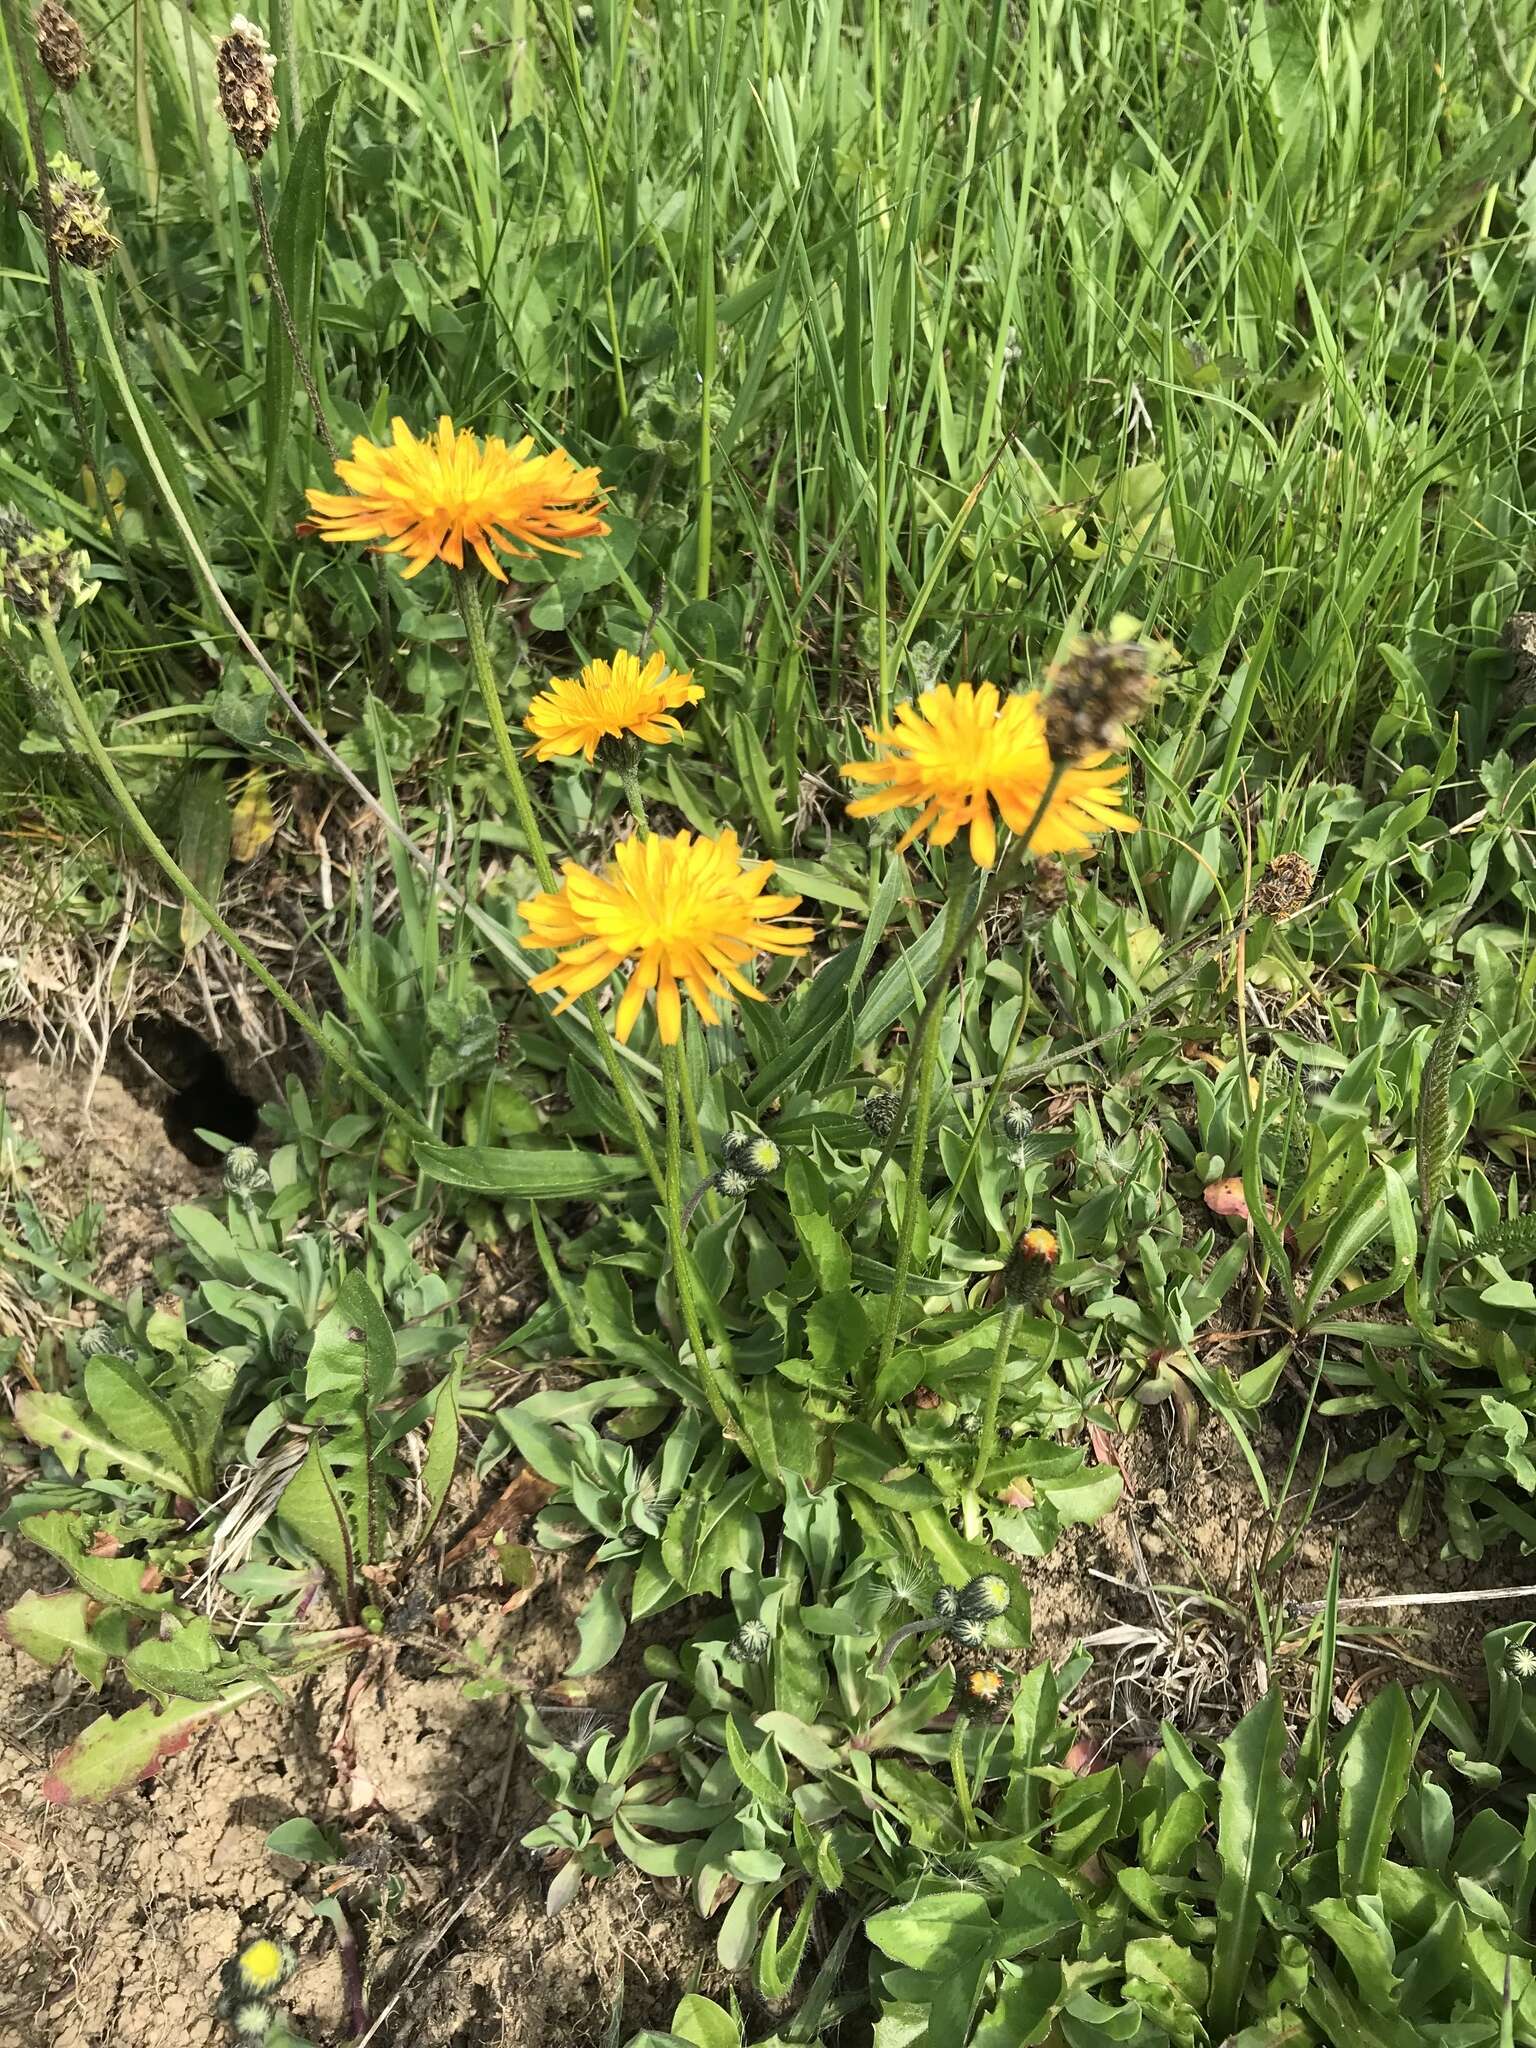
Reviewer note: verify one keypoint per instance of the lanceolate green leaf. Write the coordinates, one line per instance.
(1253, 1837)
(437, 1467)
(557, 1173)
(312, 1508)
(54, 1421)
(1432, 1128)
(136, 1415)
(1375, 1758)
(296, 232)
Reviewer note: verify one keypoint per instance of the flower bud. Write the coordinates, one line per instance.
(61, 46)
(750, 1644)
(1099, 689)
(244, 1174)
(262, 1966)
(38, 571)
(82, 227)
(733, 1184)
(1028, 1271)
(984, 1686)
(946, 1604)
(879, 1110)
(985, 1597)
(245, 66)
(1521, 1661)
(99, 1341)
(968, 1633)
(754, 1158)
(1016, 1121)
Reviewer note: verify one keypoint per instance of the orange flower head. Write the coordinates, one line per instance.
(963, 754)
(610, 701)
(428, 500)
(683, 911)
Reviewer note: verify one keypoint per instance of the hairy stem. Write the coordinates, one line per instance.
(712, 1378)
(473, 614)
(986, 1442)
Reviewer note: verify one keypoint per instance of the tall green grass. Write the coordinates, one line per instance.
(907, 335)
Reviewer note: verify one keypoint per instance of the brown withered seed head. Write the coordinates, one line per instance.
(246, 99)
(1096, 692)
(1285, 886)
(61, 46)
(1047, 886)
(82, 226)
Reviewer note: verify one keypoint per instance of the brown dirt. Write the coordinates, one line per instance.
(120, 1915)
(115, 1919)
(96, 1143)
(1190, 1532)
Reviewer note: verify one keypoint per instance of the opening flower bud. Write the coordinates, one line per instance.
(985, 1597)
(1027, 1273)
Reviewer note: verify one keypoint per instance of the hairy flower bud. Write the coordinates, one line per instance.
(245, 66)
(750, 1644)
(879, 1110)
(61, 46)
(1029, 1269)
(753, 1158)
(985, 1597)
(984, 1686)
(38, 571)
(734, 1184)
(969, 1633)
(946, 1604)
(1096, 692)
(82, 226)
(244, 1173)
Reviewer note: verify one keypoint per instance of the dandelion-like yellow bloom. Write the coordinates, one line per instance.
(609, 701)
(427, 499)
(684, 910)
(960, 750)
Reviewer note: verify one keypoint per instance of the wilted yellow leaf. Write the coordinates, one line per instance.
(252, 824)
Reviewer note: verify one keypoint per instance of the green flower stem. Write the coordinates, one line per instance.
(986, 1442)
(691, 1117)
(156, 848)
(926, 1056)
(632, 795)
(714, 1380)
(467, 584)
(958, 1773)
(1004, 877)
(988, 1110)
(912, 1197)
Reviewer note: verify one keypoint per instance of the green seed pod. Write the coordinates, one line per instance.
(985, 1597)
